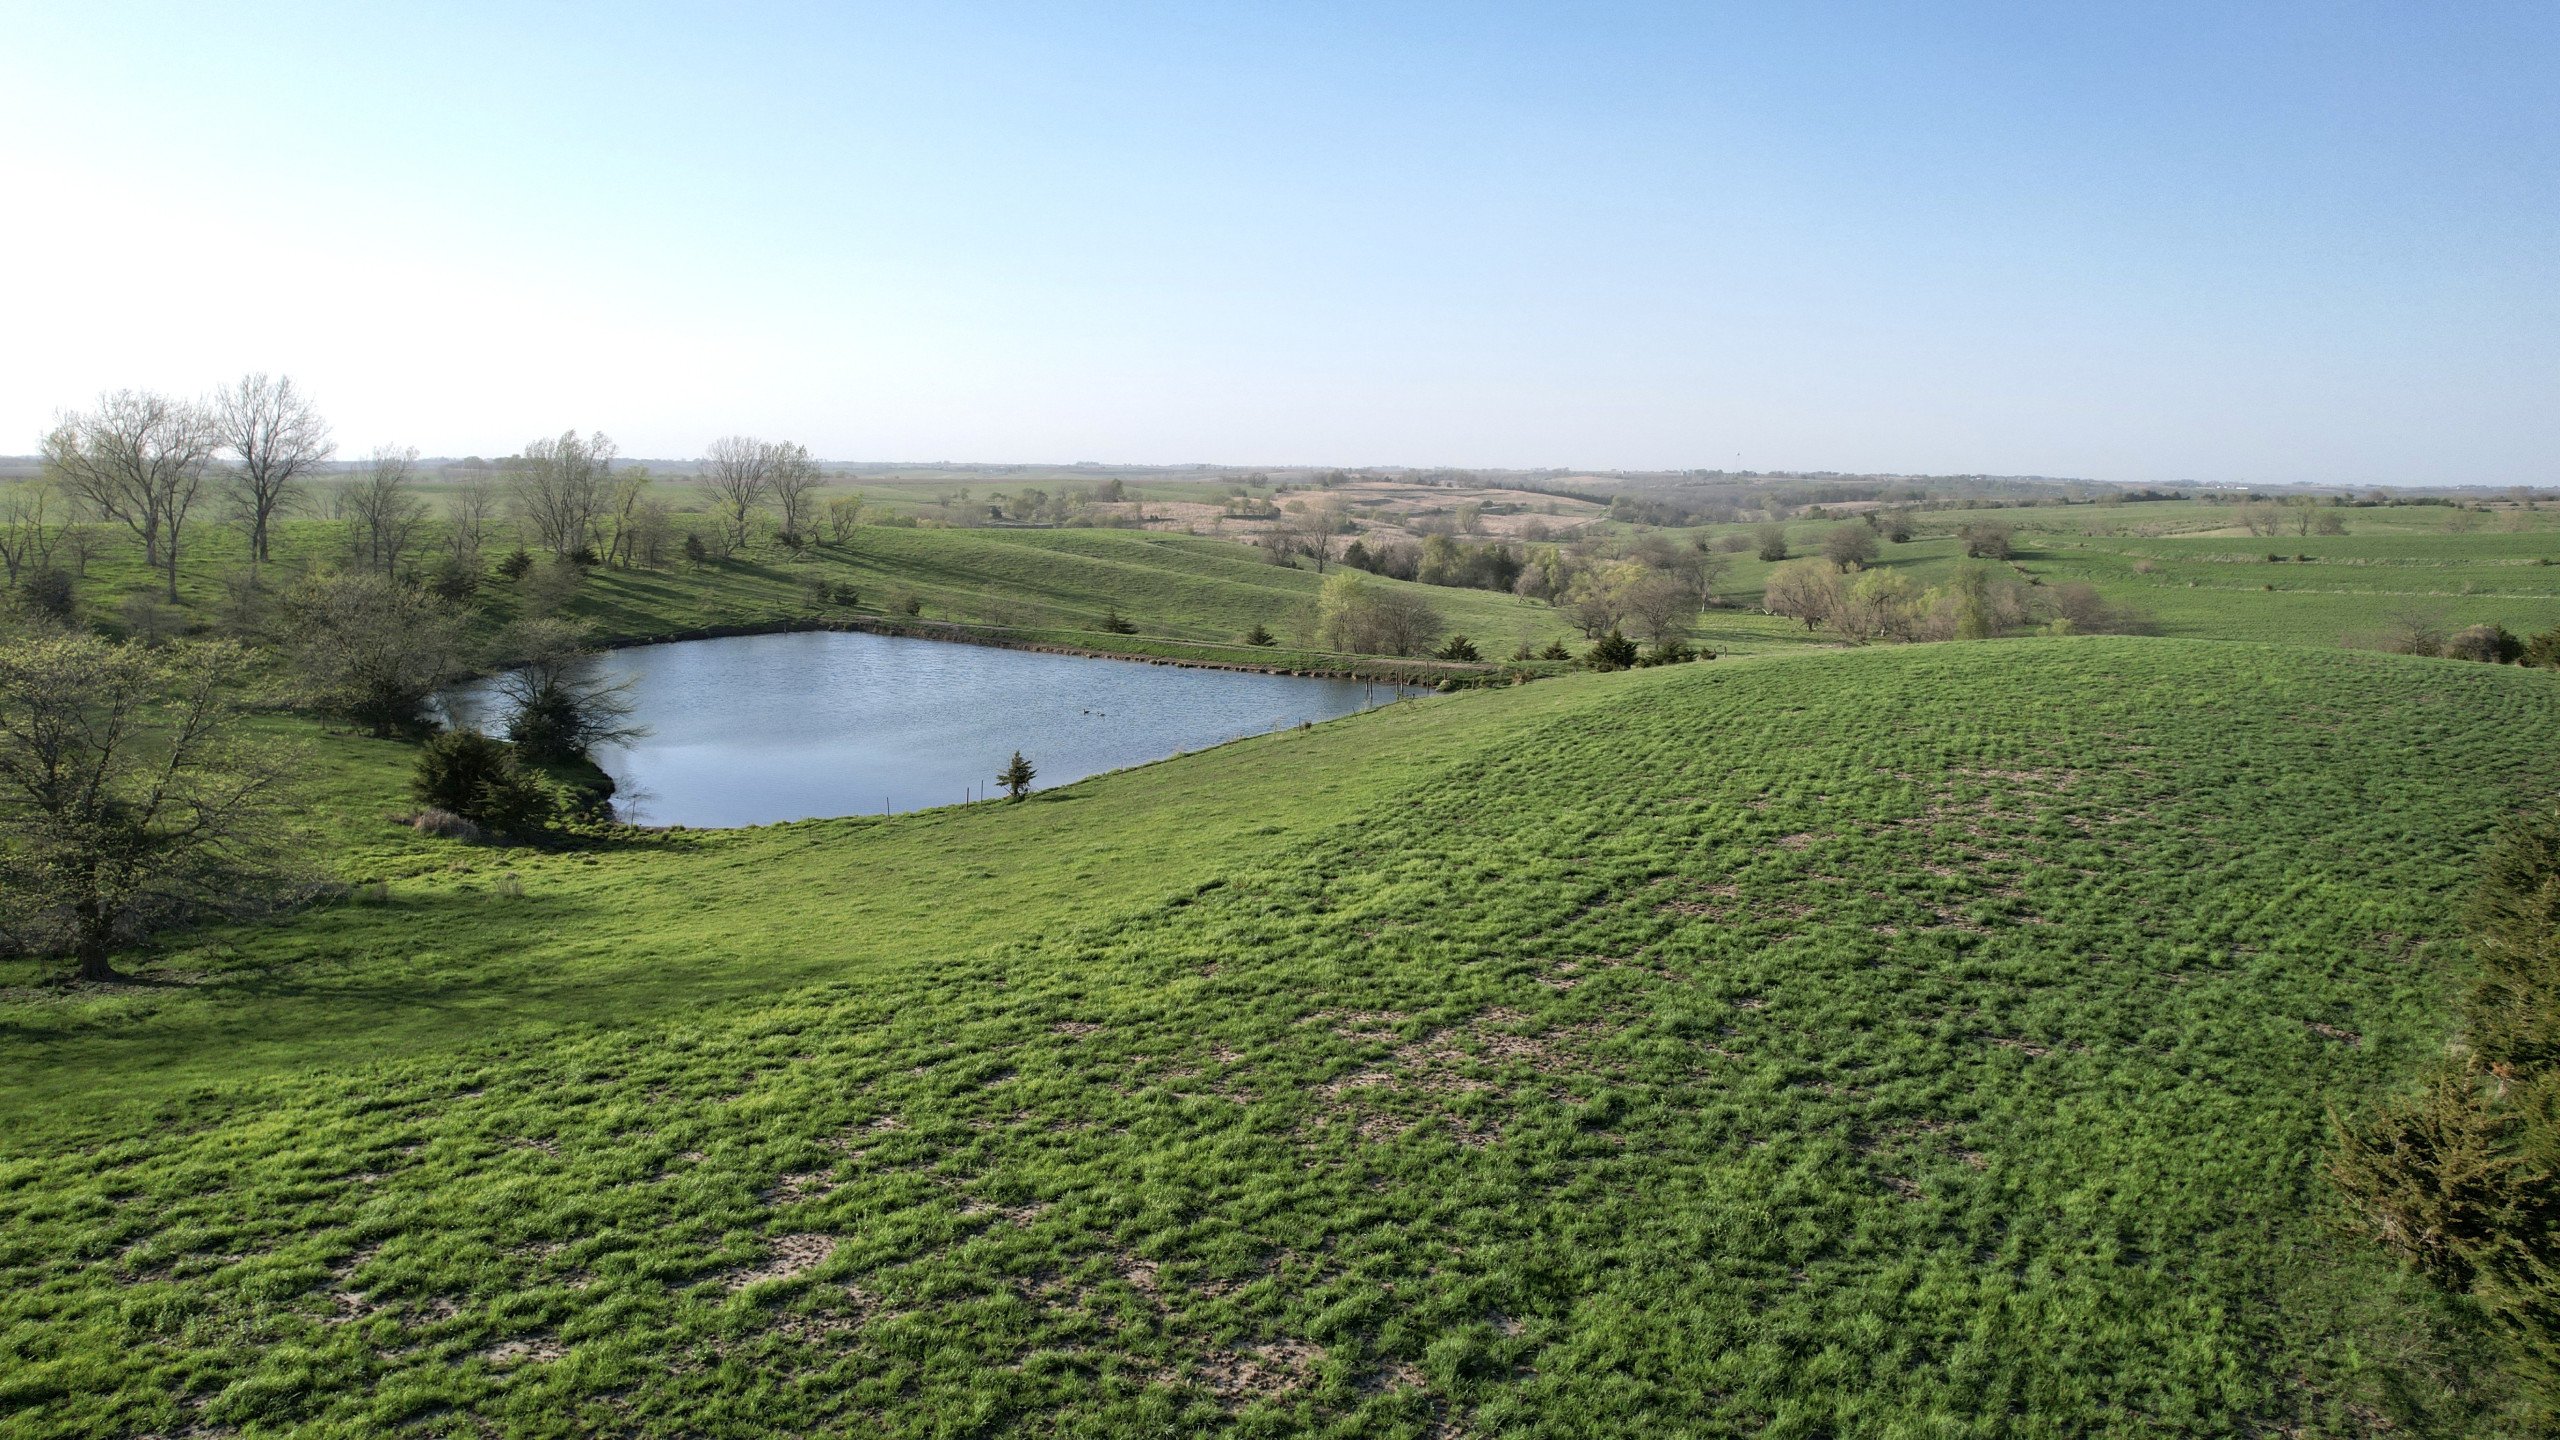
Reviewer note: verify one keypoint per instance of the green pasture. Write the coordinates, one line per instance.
(1920, 1041)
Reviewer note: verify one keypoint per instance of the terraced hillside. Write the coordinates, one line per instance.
(1930, 1040)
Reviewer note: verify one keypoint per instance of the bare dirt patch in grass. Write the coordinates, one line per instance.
(787, 1257)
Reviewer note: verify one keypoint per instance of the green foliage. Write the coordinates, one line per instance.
(515, 563)
(1260, 635)
(1457, 647)
(1612, 651)
(371, 649)
(1016, 777)
(47, 592)
(1359, 615)
(2462, 1181)
(1113, 623)
(471, 775)
(129, 799)
(2543, 650)
(1673, 651)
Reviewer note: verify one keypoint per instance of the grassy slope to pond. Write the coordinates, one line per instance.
(1909, 1041)
(1187, 596)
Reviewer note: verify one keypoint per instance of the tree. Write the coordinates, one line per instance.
(2489, 644)
(31, 527)
(1613, 652)
(1016, 777)
(465, 773)
(2080, 608)
(2457, 1180)
(275, 439)
(1597, 596)
(557, 489)
(1978, 602)
(1459, 647)
(2414, 632)
(382, 511)
(561, 706)
(140, 459)
(1850, 546)
(844, 516)
(1987, 540)
(1258, 635)
(1806, 590)
(2543, 650)
(371, 649)
(1357, 616)
(795, 482)
(470, 517)
(1875, 605)
(641, 528)
(1114, 623)
(1661, 606)
(1772, 541)
(128, 795)
(737, 473)
(1310, 530)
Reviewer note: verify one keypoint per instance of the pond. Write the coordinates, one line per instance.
(753, 729)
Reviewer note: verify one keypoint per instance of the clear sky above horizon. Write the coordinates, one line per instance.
(2264, 242)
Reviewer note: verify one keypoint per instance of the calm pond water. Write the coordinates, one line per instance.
(759, 728)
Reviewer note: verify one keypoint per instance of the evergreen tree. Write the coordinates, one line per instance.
(1613, 652)
(2462, 1180)
(1016, 777)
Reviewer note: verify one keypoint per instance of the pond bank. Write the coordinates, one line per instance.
(1185, 654)
(779, 722)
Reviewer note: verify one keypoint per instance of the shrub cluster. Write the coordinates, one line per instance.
(1978, 602)
(466, 774)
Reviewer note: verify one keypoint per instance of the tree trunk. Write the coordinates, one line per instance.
(92, 949)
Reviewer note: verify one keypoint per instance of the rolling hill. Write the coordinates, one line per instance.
(1928, 1040)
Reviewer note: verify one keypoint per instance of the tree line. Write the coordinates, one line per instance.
(135, 792)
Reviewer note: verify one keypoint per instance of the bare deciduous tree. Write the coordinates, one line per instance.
(737, 470)
(795, 482)
(274, 438)
(32, 522)
(126, 793)
(382, 511)
(1661, 606)
(1312, 530)
(561, 703)
(139, 458)
(558, 490)
(471, 516)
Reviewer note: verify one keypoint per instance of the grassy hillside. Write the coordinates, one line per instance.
(2227, 585)
(1908, 1041)
(1174, 588)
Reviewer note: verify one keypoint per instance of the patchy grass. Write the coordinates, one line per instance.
(1911, 1041)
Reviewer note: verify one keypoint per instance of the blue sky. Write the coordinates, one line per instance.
(2137, 242)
